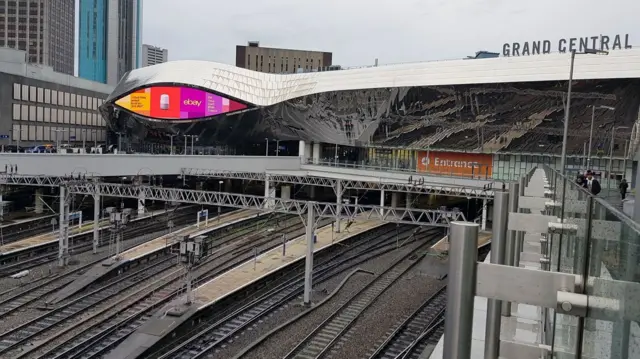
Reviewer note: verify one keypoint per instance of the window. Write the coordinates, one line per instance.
(94, 120)
(67, 99)
(47, 96)
(16, 91)
(32, 94)
(47, 133)
(40, 94)
(95, 103)
(74, 115)
(16, 111)
(84, 118)
(66, 115)
(32, 113)
(84, 102)
(73, 100)
(25, 93)
(24, 132)
(15, 132)
(24, 112)
(39, 114)
(39, 131)
(47, 114)
(60, 98)
(60, 116)
(54, 115)
(32, 133)
(54, 97)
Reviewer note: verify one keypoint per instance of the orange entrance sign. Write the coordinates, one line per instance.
(455, 163)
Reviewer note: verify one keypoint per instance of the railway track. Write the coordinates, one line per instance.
(82, 243)
(202, 343)
(37, 328)
(98, 334)
(415, 327)
(322, 338)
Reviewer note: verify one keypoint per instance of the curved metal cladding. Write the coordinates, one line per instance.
(449, 104)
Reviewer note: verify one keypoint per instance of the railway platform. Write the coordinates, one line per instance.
(48, 238)
(147, 249)
(230, 282)
(23, 219)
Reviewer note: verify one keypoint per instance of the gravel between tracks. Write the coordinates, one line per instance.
(279, 344)
(384, 315)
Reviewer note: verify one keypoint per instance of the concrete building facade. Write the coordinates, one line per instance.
(42, 28)
(280, 61)
(109, 39)
(152, 55)
(39, 105)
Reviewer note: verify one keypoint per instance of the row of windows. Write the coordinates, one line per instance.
(57, 115)
(60, 98)
(64, 134)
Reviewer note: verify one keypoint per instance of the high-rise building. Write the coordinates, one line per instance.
(42, 28)
(280, 61)
(109, 39)
(152, 55)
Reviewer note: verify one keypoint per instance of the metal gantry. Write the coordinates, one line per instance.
(322, 209)
(413, 185)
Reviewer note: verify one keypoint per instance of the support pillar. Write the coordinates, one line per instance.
(461, 290)
(39, 204)
(382, 202)
(316, 153)
(499, 237)
(285, 192)
(409, 199)
(338, 204)
(141, 200)
(304, 151)
(510, 245)
(520, 234)
(63, 236)
(312, 192)
(395, 199)
(308, 268)
(484, 214)
(269, 194)
(96, 221)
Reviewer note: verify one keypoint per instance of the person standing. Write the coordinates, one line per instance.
(623, 188)
(593, 184)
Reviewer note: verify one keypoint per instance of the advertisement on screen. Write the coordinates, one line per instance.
(455, 163)
(177, 103)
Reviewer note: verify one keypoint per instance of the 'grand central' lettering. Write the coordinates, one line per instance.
(579, 44)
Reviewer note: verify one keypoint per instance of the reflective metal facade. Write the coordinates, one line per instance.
(487, 105)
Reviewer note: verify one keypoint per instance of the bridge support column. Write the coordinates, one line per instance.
(484, 214)
(308, 267)
(395, 199)
(63, 237)
(285, 192)
(141, 201)
(382, 202)
(304, 150)
(269, 194)
(39, 204)
(96, 222)
(316, 152)
(409, 199)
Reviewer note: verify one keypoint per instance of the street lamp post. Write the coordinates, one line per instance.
(567, 112)
(593, 116)
(266, 153)
(613, 133)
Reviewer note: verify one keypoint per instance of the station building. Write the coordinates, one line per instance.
(501, 114)
(39, 106)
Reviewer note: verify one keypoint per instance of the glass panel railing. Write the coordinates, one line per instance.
(614, 276)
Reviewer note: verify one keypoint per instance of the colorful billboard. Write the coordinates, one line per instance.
(177, 103)
(455, 163)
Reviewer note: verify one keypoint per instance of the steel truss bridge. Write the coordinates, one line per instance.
(416, 186)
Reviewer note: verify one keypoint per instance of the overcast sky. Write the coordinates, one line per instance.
(358, 31)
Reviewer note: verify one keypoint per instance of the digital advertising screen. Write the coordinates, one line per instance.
(177, 103)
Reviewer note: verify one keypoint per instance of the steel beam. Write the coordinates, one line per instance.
(378, 184)
(322, 209)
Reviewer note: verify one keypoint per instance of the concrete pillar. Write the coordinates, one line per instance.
(39, 204)
(269, 194)
(285, 192)
(409, 199)
(382, 202)
(63, 237)
(308, 268)
(338, 204)
(484, 214)
(304, 150)
(141, 201)
(316, 152)
(395, 199)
